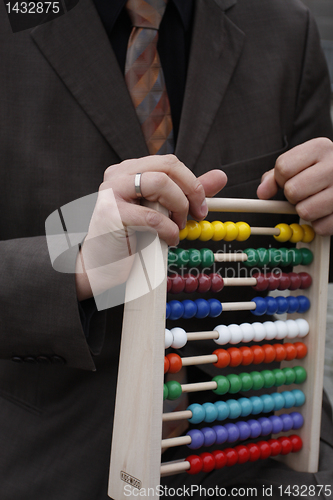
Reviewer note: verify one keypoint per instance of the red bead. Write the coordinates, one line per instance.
(235, 356)
(291, 351)
(196, 464)
(247, 355)
(280, 352)
(208, 461)
(204, 283)
(220, 459)
(243, 453)
(262, 282)
(295, 281)
(254, 452)
(258, 354)
(169, 284)
(217, 282)
(178, 283)
(275, 447)
(270, 353)
(306, 280)
(284, 281)
(232, 456)
(286, 445)
(191, 283)
(301, 349)
(223, 358)
(273, 281)
(166, 364)
(175, 362)
(265, 449)
(296, 443)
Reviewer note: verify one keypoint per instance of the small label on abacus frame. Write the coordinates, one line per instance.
(133, 481)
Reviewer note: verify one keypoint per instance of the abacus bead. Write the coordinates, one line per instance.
(304, 304)
(293, 304)
(233, 432)
(258, 380)
(209, 436)
(296, 256)
(217, 282)
(183, 233)
(265, 450)
(222, 410)
(177, 284)
(165, 392)
(290, 375)
(205, 283)
(284, 282)
(247, 355)
(289, 399)
(236, 334)
(286, 257)
(309, 233)
(280, 377)
(182, 257)
(208, 461)
(254, 452)
(282, 305)
(174, 390)
(235, 408)
(261, 306)
(223, 358)
(298, 420)
(223, 385)
(268, 402)
(198, 413)
(207, 230)
(176, 309)
(244, 231)
(271, 305)
(276, 447)
(285, 233)
(246, 380)
(266, 426)
(235, 383)
(235, 356)
(243, 453)
(293, 330)
(193, 230)
(270, 329)
(168, 338)
(259, 331)
(262, 282)
(244, 430)
(166, 364)
(207, 257)
(277, 424)
(246, 406)
(190, 309)
(257, 405)
(172, 257)
(291, 351)
(299, 397)
(247, 332)
(219, 230)
(191, 283)
(175, 362)
(211, 412)
(194, 257)
(303, 327)
(167, 311)
(273, 281)
(280, 352)
(252, 257)
(231, 231)
(263, 256)
(306, 280)
(298, 233)
(215, 308)
(300, 374)
(301, 350)
(269, 379)
(278, 401)
(169, 284)
(275, 257)
(224, 335)
(282, 329)
(307, 256)
(203, 308)
(196, 464)
(220, 459)
(221, 434)
(179, 337)
(232, 456)
(296, 443)
(287, 422)
(270, 353)
(258, 354)
(197, 439)
(295, 281)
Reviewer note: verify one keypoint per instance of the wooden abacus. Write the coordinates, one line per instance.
(137, 431)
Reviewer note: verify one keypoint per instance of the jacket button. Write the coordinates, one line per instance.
(43, 360)
(17, 359)
(57, 360)
(30, 359)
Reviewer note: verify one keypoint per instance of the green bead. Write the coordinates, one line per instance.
(182, 257)
(307, 256)
(172, 258)
(280, 378)
(235, 383)
(300, 373)
(165, 392)
(274, 257)
(223, 385)
(247, 382)
(290, 375)
(194, 257)
(258, 381)
(269, 378)
(263, 255)
(286, 257)
(207, 257)
(252, 257)
(174, 389)
(296, 256)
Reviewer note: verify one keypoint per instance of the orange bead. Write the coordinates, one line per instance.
(235, 356)
(175, 362)
(247, 355)
(302, 350)
(270, 353)
(166, 364)
(223, 358)
(258, 354)
(280, 352)
(291, 351)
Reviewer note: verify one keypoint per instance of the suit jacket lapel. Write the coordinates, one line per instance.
(216, 47)
(78, 48)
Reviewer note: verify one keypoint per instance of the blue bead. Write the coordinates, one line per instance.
(233, 432)
(271, 305)
(221, 434)
(190, 309)
(176, 309)
(255, 428)
(244, 430)
(246, 406)
(203, 308)
(210, 412)
(198, 413)
(282, 305)
(298, 420)
(292, 304)
(299, 397)
(278, 401)
(287, 422)
(168, 310)
(209, 436)
(289, 399)
(197, 438)
(276, 423)
(222, 410)
(261, 306)
(235, 408)
(266, 426)
(215, 308)
(304, 304)
(268, 402)
(257, 405)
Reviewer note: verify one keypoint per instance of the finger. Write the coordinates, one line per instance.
(213, 182)
(308, 182)
(317, 206)
(268, 186)
(324, 226)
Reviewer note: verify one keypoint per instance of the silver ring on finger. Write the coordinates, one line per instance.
(137, 185)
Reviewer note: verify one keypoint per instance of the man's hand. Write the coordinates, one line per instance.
(305, 173)
(164, 180)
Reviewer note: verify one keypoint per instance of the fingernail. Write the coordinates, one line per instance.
(204, 208)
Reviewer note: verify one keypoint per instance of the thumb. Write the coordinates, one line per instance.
(268, 186)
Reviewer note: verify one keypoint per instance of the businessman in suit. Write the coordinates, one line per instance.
(252, 84)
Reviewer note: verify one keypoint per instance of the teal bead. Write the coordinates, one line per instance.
(269, 378)
(263, 255)
(290, 375)
(286, 257)
(182, 257)
(235, 383)
(268, 403)
(299, 397)
(278, 400)
(246, 407)
(223, 384)
(280, 377)
(257, 405)
(194, 257)
(235, 408)
(174, 390)
(252, 257)
(247, 382)
(172, 258)
(307, 256)
(207, 257)
(274, 257)
(165, 392)
(210, 412)
(289, 399)
(300, 374)
(198, 413)
(296, 256)
(222, 410)
(258, 381)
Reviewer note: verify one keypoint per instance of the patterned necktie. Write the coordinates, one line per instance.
(144, 75)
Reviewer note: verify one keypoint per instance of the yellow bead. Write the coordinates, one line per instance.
(244, 231)
(232, 231)
(298, 233)
(183, 233)
(194, 230)
(207, 230)
(309, 233)
(219, 230)
(285, 233)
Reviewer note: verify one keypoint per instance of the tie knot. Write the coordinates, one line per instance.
(146, 13)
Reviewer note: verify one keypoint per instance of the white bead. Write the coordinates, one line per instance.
(224, 335)
(303, 327)
(168, 338)
(282, 330)
(259, 331)
(293, 329)
(236, 334)
(247, 331)
(179, 337)
(271, 330)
